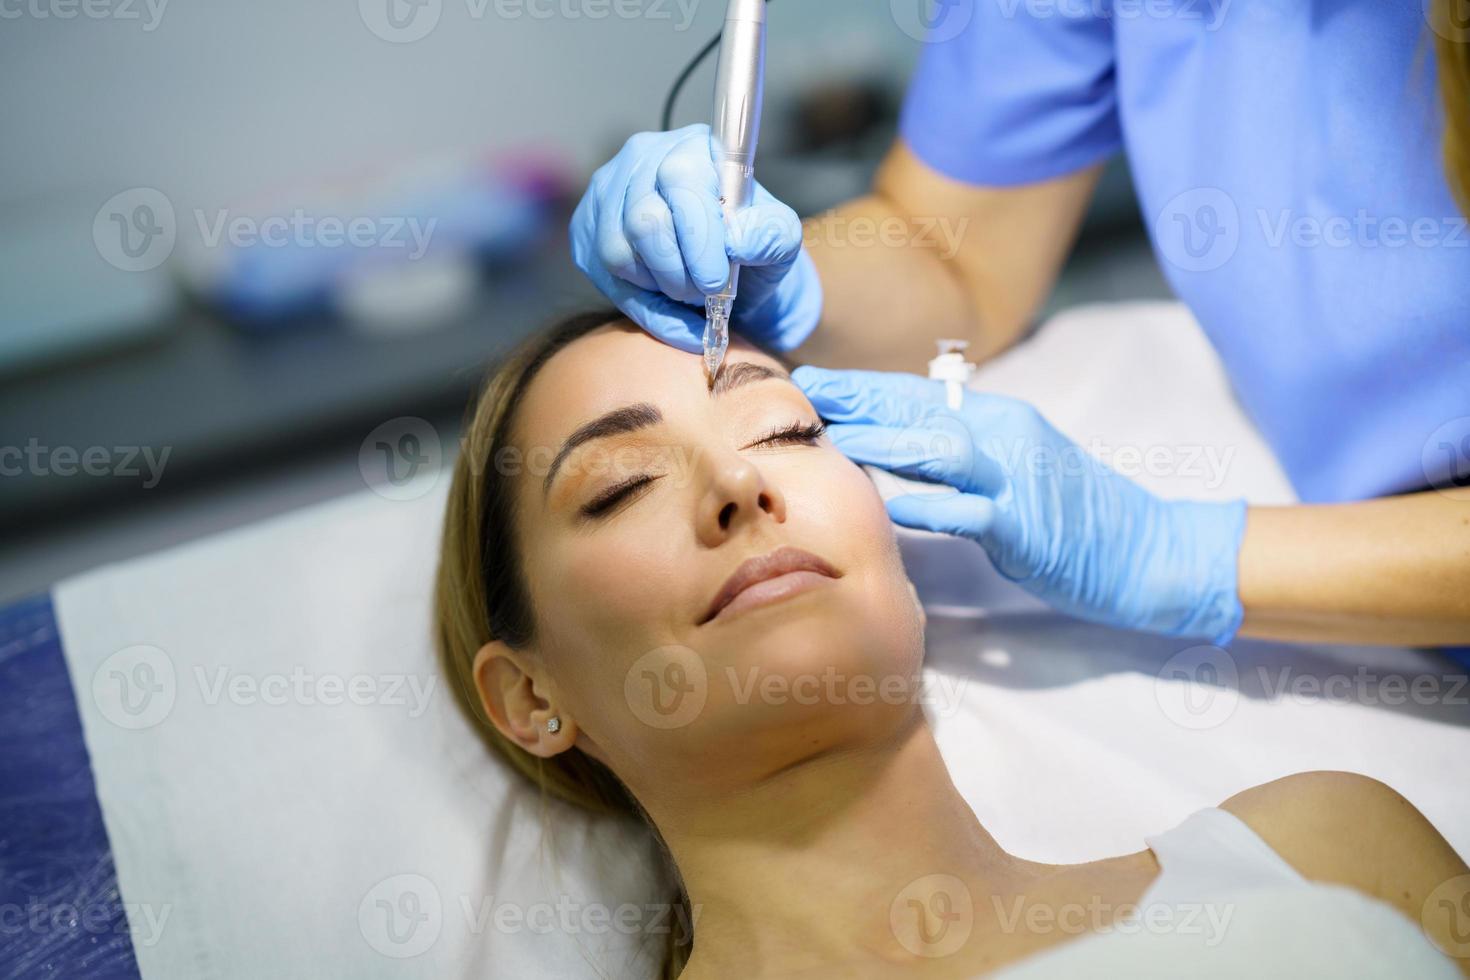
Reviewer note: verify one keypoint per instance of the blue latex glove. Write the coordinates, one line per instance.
(1068, 529)
(650, 235)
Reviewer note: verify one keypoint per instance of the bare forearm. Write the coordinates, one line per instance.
(924, 257)
(887, 295)
(1391, 571)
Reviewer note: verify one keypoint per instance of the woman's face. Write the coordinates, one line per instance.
(639, 493)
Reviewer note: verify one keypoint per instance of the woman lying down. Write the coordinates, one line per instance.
(631, 559)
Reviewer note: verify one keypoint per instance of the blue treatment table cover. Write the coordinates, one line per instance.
(60, 911)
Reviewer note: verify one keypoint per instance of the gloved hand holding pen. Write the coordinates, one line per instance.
(1060, 523)
(650, 235)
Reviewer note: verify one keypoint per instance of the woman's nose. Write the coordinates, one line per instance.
(738, 495)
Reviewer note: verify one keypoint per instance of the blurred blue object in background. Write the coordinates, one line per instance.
(304, 252)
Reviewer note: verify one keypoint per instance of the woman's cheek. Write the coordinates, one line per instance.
(617, 578)
(862, 503)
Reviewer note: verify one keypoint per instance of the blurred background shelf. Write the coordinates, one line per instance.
(218, 103)
(223, 401)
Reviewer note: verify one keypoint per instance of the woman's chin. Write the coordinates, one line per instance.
(784, 682)
(811, 653)
(816, 625)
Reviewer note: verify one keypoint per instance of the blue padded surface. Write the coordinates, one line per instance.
(60, 912)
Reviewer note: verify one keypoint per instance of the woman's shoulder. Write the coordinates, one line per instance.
(1347, 829)
(1340, 826)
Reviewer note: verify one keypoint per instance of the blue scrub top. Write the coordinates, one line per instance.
(1287, 159)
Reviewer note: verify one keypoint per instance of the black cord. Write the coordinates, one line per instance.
(668, 117)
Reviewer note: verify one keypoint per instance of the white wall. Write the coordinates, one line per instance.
(223, 99)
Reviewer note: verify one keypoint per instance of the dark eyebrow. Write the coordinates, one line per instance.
(732, 376)
(629, 418)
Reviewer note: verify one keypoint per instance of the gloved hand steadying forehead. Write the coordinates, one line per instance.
(1067, 528)
(650, 235)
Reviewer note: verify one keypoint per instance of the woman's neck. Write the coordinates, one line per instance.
(802, 870)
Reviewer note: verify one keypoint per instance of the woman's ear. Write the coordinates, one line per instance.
(514, 701)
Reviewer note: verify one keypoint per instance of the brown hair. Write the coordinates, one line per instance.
(1452, 45)
(480, 595)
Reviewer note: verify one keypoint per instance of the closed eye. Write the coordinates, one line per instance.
(797, 433)
(802, 433)
(610, 498)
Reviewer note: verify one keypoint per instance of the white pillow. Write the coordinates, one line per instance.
(260, 830)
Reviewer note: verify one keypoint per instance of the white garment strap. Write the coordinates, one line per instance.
(1210, 853)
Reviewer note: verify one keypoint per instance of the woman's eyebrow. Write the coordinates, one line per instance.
(629, 418)
(744, 373)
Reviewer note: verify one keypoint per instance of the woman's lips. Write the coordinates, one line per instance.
(779, 575)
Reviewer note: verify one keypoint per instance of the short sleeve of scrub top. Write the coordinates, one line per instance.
(1288, 166)
(1001, 98)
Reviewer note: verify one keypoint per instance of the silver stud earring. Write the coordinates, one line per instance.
(553, 725)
